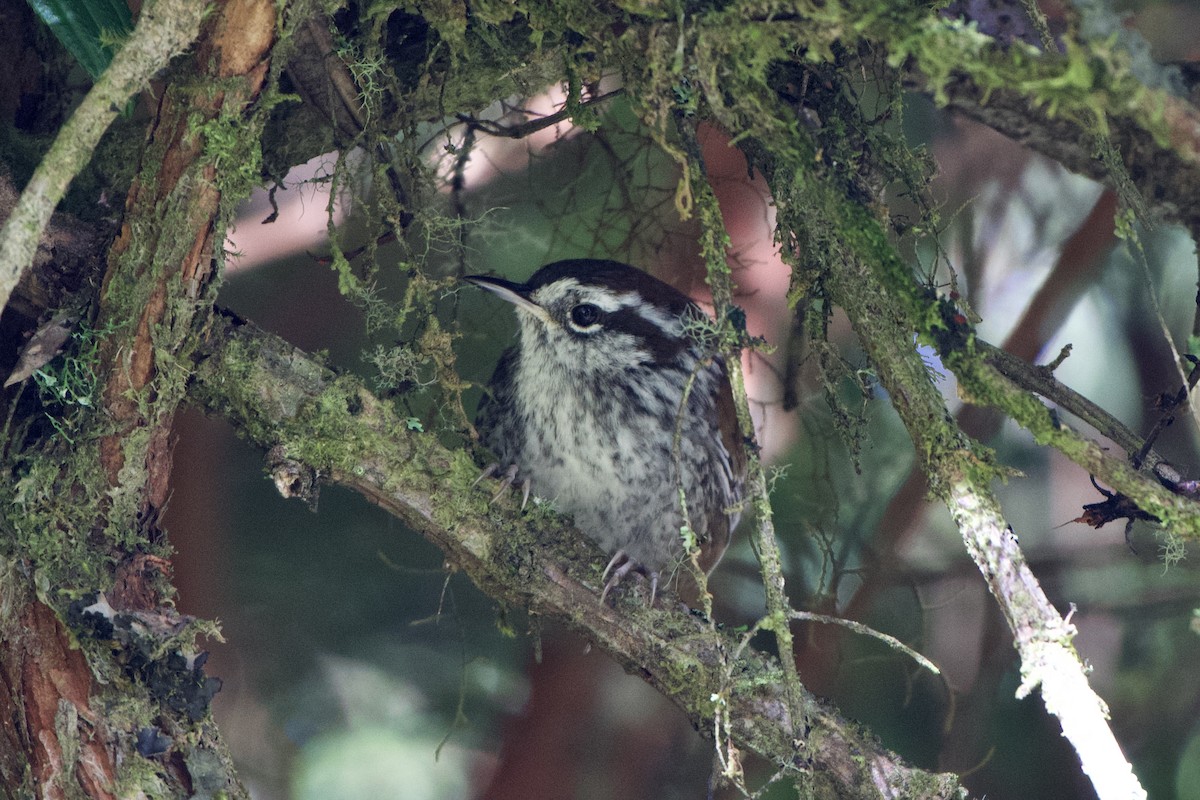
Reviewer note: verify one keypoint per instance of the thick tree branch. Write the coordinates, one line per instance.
(89, 566)
(47, 687)
(318, 423)
(1058, 105)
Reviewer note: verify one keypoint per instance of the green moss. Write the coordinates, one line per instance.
(984, 386)
(57, 501)
(235, 157)
(463, 497)
(54, 536)
(1089, 86)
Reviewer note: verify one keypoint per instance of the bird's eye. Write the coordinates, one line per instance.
(585, 315)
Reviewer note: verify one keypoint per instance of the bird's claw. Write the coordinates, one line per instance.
(620, 565)
(506, 481)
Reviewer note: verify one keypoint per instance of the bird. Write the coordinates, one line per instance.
(615, 406)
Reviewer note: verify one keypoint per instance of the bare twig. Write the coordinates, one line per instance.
(867, 630)
(521, 130)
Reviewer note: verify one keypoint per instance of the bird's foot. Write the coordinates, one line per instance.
(621, 565)
(507, 480)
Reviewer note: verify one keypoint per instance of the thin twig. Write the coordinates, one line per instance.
(866, 630)
(1040, 25)
(520, 131)
(1041, 381)
(766, 546)
(1168, 415)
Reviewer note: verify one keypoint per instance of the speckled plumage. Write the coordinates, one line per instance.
(589, 413)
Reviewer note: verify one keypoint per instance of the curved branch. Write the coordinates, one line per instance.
(318, 422)
(993, 377)
(1040, 380)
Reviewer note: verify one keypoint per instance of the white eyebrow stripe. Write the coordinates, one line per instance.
(609, 301)
(661, 319)
(606, 300)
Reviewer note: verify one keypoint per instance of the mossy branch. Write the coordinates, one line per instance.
(862, 278)
(983, 382)
(1062, 105)
(317, 422)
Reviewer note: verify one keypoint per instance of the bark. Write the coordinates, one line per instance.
(143, 727)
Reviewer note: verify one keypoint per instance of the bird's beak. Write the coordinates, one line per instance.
(515, 293)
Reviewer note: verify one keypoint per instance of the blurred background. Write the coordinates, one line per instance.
(357, 666)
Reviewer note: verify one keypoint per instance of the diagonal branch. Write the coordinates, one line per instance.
(959, 474)
(995, 378)
(164, 29)
(319, 423)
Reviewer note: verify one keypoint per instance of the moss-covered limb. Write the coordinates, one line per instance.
(842, 253)
(959, 474)
(200, 160)
(1058, 104)
(454, 62)
(360, 85)
(1040, 380)
(164, 29)
(284, 401)
(80, 516)
(981, 383)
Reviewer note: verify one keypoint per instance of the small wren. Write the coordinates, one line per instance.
(610, 406)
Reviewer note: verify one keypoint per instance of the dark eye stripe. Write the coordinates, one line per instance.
(662, 345)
